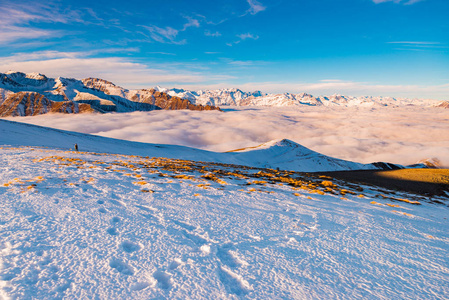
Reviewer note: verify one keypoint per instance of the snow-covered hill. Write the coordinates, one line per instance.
(282, 154)
(83, 225)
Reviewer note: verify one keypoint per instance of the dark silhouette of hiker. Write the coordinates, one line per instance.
(76, 147)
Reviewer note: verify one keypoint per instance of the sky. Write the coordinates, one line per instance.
(394, 48)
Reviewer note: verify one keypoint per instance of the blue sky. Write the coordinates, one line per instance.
(354, 47)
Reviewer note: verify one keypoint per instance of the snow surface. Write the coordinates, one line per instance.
(102, 226)
(87, 225)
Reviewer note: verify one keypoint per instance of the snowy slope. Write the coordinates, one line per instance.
(90, 226)
(282, 154)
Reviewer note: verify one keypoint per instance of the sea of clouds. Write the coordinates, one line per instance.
(399, 135)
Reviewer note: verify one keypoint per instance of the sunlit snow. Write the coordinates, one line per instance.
(92, 225)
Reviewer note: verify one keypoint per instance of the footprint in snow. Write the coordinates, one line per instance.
(229, 257)
(233, 282)
(129, 247)
(184, 225)
(112, 231)
(163, 279)
(121, 267)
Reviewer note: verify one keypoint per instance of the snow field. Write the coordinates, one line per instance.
(86, 225)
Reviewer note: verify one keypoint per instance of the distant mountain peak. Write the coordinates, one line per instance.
(280, 143)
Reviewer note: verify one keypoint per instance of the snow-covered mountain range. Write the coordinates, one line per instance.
(236, 97)
(103, 96)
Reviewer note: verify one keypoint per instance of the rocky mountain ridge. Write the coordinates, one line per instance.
(43, 95)
(32, 104)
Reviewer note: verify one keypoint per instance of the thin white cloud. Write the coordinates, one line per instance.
(406, 2)
(242, 63)
(191, 23)
(14, 33)
(415, 43)
(242, 37)
(16, 13)
(119, 70)
(168, 35)
(213, 34)
(163, 35)
(245, 36)
(162, 53)
(16, 19)
(255, 7)
(52, 54)
(418, 46)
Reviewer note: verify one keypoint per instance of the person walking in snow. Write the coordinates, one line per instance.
(76, 147)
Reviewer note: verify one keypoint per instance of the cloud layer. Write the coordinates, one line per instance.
(399, 135)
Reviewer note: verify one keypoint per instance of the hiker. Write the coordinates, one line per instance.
(76, 147)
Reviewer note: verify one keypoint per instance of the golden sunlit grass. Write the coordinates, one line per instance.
(214, 177)
(399, 199)
(328, 183)
(87, 180)
(182, 176)
(140, 182)
(178, 170)
(262, 182)
(403, 213)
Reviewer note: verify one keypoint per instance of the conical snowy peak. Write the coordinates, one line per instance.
(286, 143)
(288, 155)
(278, 144)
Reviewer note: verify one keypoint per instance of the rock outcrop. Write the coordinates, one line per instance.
(32, 104)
